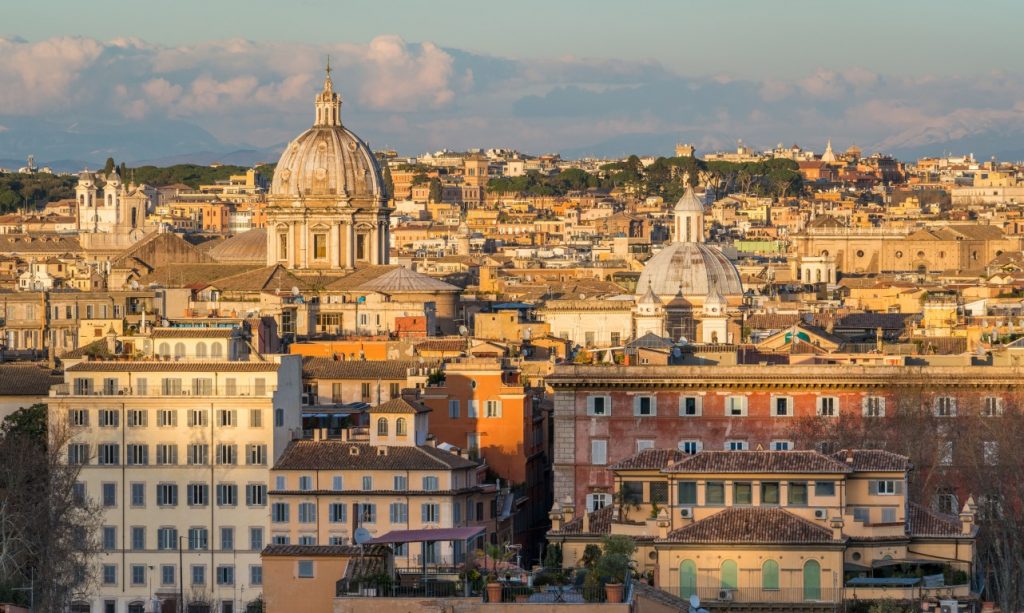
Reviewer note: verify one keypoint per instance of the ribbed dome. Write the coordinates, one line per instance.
(689, 202)
(693, 268)
(329, 161)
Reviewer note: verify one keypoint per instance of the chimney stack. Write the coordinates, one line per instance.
(555, 515)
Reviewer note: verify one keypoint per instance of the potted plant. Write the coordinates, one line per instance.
(615, 564)
(497, 554)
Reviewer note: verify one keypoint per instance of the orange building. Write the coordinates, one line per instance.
(356, 349)
(310, 573)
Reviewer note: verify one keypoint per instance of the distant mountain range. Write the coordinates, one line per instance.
(72, 146)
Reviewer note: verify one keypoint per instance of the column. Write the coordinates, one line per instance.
(335, 246)
(303, 250)
(350, 244)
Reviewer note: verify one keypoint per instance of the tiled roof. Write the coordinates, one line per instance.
(600, 523)
(442, 344)
(326, 368)
(925, 522)
(27, 380)
(649, 459)
(402, 279)
(268, 278)
(362, 275)
(38, 242)
(341, 455)
(96, 348)
(186, 275)
(873, 460)
(136, 366)
(769, 525)
(323, 550)
(402, 406)
(192, 332)
(758, 462)
(886, 321)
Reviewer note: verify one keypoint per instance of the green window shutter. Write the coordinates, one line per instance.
(770, 575)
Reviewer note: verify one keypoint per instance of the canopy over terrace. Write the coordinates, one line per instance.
(399, 537)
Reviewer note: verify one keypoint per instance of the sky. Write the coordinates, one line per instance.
(148, 78)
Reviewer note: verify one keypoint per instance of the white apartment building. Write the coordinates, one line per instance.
(178, 453)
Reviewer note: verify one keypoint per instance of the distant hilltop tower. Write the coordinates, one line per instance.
(685, 150)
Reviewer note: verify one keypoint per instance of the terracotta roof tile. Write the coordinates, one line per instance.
(341, 455)
(401, 406)
(27, 380)
(758, 462)
(925, 522)
(769, 525)
(138, 366)
(323, 550)
(327, 368)
(872, 460)
(649, 459)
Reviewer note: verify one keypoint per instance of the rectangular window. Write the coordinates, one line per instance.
(828, 406)
(227, 495)
(861, 514)
(197, 418)
(227, 418)
(198, 574)
(108, 454)
(714, 493)
(690, 406)
(198, 454)
(430, 484)
(259, 386)
(109, 574)
(109, 494)
(393, 390)
(337, 512)
(167, 539)
(170, 387)
(256, 494)
(257, 454)
(109, 538)
(167, 454)
(400, 483)
(138, 538)
(305, 483)
(307, 513)
(367, 513)
(198, 494)
(735, 445)
(138, 574)
(453, 409)
(78, 453)
(138, 494)
(305, 569)
(167, 572)
(598, 452)
(688, 492)
(256, 539)
(227, 538)
(473, 408)
(430, 513)
(874, 406)
(797, 496)
(632, 491)
(888, 515)
(256, 575)
(690, 447)
(945, 406)
(594, 502)
(137, 418)
(202, 386)
(993, 407)
(644, 443)
(367, 483)
(735, 406)
(887, 487)
(645, 406)
(492, 408)
(598, 405)
(781, 445)
(770, 492)
(255, 418)
(659, 492)
(320, 246)
(167, 494)
(141, 387)
(166, 418)
(227, 454)
(782, 406)
(109, 418)
(742, 493)
(138, 455)
(78, 417)
(279, 512)
(824, 488)
(198, 539)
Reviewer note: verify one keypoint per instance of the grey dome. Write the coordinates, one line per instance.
(690, 268)
(328, 161)
(245, 248)
(689, 202)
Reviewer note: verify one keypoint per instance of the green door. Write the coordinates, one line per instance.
(812, 580)
(687, 579)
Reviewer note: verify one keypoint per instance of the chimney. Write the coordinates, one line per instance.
(586, 522)
(967, 517)
(837, 528)
(568, 509)
(111, 341)
(663, 523)
(555, 515)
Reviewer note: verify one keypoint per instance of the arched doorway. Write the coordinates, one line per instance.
(687, 579)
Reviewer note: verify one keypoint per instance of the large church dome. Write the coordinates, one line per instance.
(329, 161)
(691, 268)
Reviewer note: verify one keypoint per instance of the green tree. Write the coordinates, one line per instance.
(389, 183)
(29, 422)
(109, 166)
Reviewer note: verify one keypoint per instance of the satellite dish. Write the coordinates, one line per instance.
(164, 323)
(463, 330)
(134, 284)
(295, 290)
(676, 352)
(362, 535)
(694, 600)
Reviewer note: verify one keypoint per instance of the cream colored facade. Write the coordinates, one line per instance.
(324, 490)
(178, 450)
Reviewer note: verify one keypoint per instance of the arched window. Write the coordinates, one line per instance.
(200, 350)
(179, 350)
(400, 427)
(687, 579)
(382, 427)
(770, 575)
(728, 579)
(165, 350)
(812, 580)
(216, 350)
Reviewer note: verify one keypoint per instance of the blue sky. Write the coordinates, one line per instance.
(580, 76)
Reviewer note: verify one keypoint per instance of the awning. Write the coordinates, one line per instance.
(883, 582)
(908, 561)
(427, 536)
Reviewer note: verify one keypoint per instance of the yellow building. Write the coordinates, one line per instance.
(775, 526)
(326, 490)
